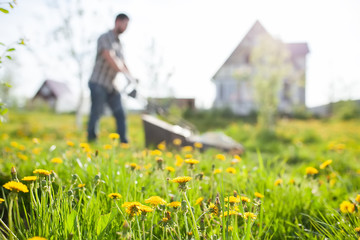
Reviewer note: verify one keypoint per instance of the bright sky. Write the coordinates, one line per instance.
(193, 38)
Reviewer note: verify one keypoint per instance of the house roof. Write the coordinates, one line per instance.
(57, 88)
(296, 49)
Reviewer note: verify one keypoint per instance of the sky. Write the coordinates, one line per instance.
(191, 39)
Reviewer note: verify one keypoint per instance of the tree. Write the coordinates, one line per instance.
(74, 35)
(6, 53)
(271, 64)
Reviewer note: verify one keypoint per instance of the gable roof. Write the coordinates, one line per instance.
(256, 30)
(57, 88)
(296, 49)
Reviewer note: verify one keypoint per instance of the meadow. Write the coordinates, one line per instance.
(299, 182)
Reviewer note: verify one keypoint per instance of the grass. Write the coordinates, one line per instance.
(72, 201)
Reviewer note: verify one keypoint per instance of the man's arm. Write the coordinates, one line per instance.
(112, 60)
(117, 64)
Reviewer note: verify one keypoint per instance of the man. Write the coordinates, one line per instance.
(109, 61)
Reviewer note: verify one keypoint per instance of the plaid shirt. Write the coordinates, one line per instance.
(103, 73)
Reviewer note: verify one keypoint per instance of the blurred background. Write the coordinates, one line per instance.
(194, 55)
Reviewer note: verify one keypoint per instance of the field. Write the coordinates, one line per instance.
(301, 182)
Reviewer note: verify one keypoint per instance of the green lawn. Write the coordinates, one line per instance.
(73, 202)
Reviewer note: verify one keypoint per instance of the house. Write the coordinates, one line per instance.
(56, 95)
(238, 95)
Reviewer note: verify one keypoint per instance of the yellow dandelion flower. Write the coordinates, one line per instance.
(258, 195)
(357, 198)
(292, 181)
(155, 152)
(81, 185)
(155, 200)
(145, 209)
(42, 172)
(125, 145)
(245, 199)
(36, 140)
(16, 187)
(231, 170)
(278, 182)
(164, 219)
(169, 154)
(332, 182)
(134, 166)
(217, 171)
(181, 179)
(114, 195)
(229, 213)
(174, 204)
(70, 143)
(250, 215)
(188, 155)
(311, 171)
(36, 151)
(22, 157)
(325, 164)
(2, 200)
(114, 136)
(179, 160)
(357, 229)
(84, 145)
(347, 207)
(170, 169)
(198, 145)
(187, 149)
(161, 146)
(107, 147)
(36, 238)
(147, 166)
(132, 208)
(14, 144)
(213, 209)
(232, 199)
(199, 200)
(29, 178)
(192, 161)
(21, 147)
(56, 160)
(177, 142)
(220, 157)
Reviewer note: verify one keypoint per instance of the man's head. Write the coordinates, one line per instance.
(121, 22)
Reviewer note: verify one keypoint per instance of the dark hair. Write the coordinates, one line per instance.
(121, 16)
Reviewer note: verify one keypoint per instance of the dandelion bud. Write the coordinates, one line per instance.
(97, 177)
(235, 194)
(96, 153)
(43, 182)
(126, 225)
(143, 189)
(213, 167)
(14, 174)
(74, 177)
(159, 161)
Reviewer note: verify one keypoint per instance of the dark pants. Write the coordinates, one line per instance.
(99, 97)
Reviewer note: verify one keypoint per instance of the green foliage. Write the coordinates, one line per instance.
(346, 110)
(271, 65)
(301, 207)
